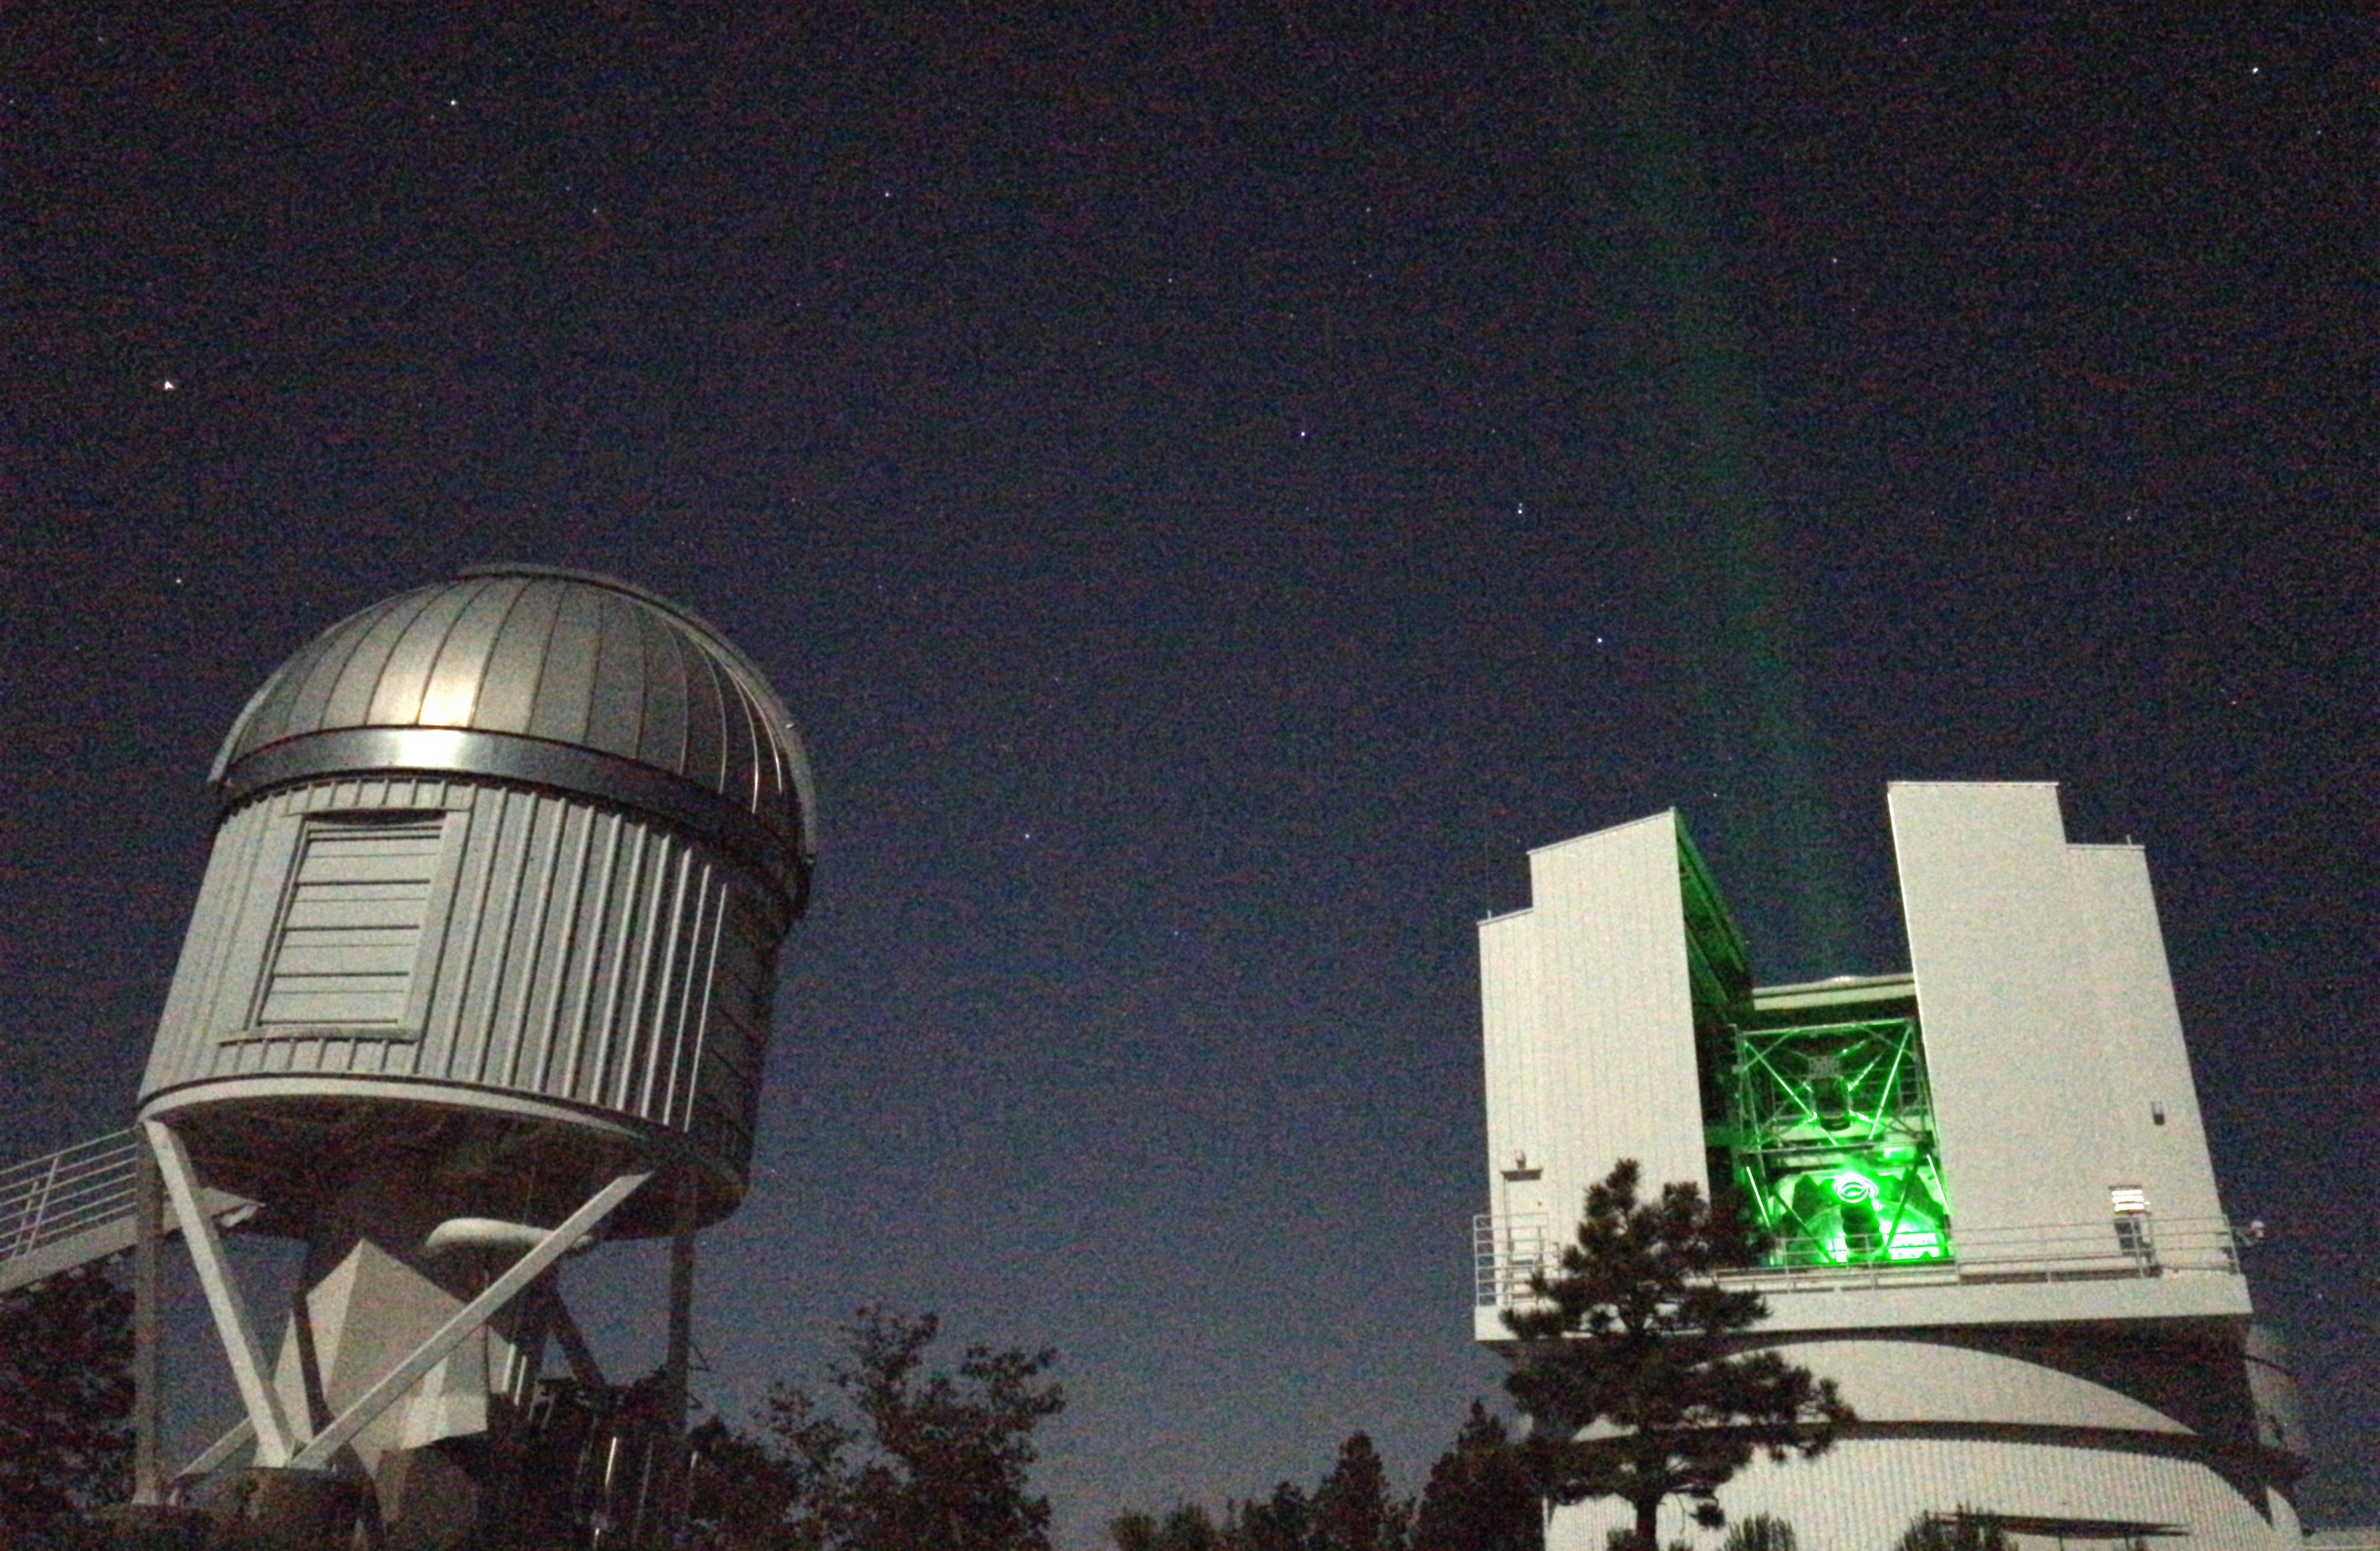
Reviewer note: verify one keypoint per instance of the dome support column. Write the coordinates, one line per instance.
(274, 1442)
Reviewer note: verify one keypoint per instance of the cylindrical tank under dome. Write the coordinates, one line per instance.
(501, 872)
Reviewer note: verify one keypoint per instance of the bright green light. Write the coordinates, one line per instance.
(1833, 1136)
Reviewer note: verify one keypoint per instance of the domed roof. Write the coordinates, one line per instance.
(557, 677)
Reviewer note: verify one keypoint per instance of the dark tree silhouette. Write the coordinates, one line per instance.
(898, 1457)
(1480, 1496)
(1282, 1522)
(66, 1391)
(1353, 1511)
(1762, 1531)
(1635, 1333)
(1188, 1528)
(1963, 1530)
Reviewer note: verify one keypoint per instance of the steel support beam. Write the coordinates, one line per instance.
(366, 1407)
(574, 1349)
(681, 1338)
(148, 1231)
(274, 1442)
(242, 1432)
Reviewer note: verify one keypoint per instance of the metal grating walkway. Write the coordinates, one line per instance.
(76, 1207)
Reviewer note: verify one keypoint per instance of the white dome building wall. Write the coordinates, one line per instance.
(1864, 1493)
(549, 948)
(481, 971)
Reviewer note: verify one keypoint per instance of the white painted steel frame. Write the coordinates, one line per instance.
(240, 1434)
(366, 1407)
(274, 1438)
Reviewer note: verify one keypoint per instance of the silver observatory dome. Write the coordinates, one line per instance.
(502, 869)
(560, 677)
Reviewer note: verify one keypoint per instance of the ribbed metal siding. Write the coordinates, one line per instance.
(574, 952)
(1863, 1495)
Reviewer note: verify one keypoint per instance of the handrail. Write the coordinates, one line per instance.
(77, 1206)
(46, 1199)
(1508, 1250)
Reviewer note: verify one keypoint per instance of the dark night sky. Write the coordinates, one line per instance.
(1177, 464)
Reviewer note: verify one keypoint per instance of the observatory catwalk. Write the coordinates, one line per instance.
(1991, 1214)
(480, 977)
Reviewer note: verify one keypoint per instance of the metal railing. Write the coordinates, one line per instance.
(83, 1187)
(1506, 1252)
(77, 1205)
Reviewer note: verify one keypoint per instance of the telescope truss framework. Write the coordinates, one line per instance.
(1830, 1135)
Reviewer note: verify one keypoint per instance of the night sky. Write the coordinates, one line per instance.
(1215, 486)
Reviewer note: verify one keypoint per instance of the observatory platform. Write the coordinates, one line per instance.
(480, 973)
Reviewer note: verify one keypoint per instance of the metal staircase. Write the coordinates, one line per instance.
(76, 1207)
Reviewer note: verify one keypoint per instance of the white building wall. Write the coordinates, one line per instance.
(1605, 1064)
(2052, 1038)
(1915, 1379)
(2150, 1118)
(1865, 1493)
(1516, 1121)
(2007, 1000)
(2053, 1045)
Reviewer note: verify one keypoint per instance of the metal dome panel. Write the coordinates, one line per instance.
(547, 667)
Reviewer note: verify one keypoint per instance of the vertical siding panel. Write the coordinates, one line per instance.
(693, 983)
(563, 836)
(503, 997)
(709, 980)
(609, 1052)
(510, 853)
(449, 1048)
(240, 844)
(583, 963)
(189, 1022)
(260, 906)
(604, 968)
(428, 1052)
(661, 1044)
(553, 976)
(634, 1037)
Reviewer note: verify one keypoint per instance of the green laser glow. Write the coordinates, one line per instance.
(1830, 1136)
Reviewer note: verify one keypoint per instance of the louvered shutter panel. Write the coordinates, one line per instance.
(351, 939)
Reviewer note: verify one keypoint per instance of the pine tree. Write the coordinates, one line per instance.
(898, 1456)
(1963, 1530)
(1353, 1511)
(1480, 1496)
(1283, 1522)
(1635, 1336)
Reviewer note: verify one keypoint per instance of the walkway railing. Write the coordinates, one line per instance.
(75, 1205)
(1508, 1251)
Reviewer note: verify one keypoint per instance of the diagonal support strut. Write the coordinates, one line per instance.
(367, 1406)
(214, 1454)
(275, 1441)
